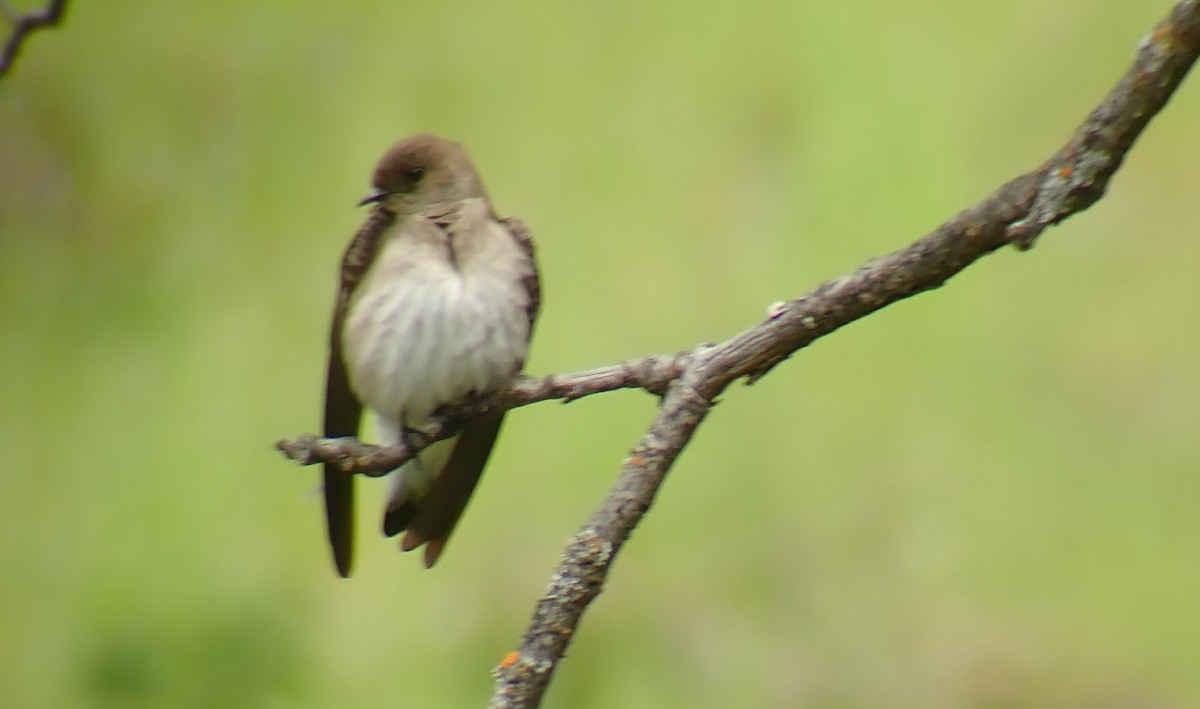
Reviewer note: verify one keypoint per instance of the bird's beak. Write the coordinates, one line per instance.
(375, 195)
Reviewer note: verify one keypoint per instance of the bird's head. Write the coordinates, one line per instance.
(422, 172)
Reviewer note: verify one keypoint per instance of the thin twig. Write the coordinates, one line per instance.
(24, 25)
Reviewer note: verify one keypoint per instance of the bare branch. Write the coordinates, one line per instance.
(1016, 213)
(653, 373)
(1069, 182)
(24, 25)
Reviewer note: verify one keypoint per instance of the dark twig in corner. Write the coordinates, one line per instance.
(24, 25)
(1016, 213)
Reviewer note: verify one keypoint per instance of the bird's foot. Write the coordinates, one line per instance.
(414, 439)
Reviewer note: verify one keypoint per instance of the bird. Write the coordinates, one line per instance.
(435, 304)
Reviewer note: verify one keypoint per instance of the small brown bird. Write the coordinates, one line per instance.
(436, 302)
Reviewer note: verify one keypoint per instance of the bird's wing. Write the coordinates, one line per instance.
(531, 280)
(343, 410)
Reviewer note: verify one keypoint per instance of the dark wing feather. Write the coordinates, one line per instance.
(531, 280)
(343, 410)
(342, 414)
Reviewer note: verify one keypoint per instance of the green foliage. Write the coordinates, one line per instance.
(983, 497)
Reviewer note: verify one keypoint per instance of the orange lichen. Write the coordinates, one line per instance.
(509, 659)
(1164, 31)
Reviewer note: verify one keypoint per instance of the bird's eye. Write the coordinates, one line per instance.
(415, 173)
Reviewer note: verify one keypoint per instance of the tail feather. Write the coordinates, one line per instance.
(439, 510)
(407, 485)
(396, 520)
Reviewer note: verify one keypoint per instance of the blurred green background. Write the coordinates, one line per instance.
(984, 497)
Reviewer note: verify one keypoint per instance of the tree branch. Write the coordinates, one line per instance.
(653, 373)
(1017, 213)
(24, 25)
(1069, 182)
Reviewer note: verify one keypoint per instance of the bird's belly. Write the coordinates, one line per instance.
(413, 345)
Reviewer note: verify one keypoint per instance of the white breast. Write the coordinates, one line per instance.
(424, 330)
